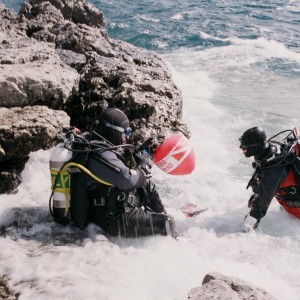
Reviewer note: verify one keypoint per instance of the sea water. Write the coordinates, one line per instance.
(237, 64)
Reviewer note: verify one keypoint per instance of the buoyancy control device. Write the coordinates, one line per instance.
(69, 202)
(288, 193)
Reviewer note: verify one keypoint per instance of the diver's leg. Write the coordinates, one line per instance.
(154, 200)
(146, 223)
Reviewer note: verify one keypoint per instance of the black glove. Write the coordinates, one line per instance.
(149, 146)
(254, 164)
(254, 183)
(143, 162)
(251, 201)
(129, 158)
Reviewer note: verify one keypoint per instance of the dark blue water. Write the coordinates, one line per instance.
(167, 25)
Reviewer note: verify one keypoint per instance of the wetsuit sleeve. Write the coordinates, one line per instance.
(108, 167)
(270, 180)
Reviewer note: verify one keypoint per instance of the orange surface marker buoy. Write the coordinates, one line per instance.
(175, 155)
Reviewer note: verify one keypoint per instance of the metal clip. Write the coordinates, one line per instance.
(131, 199)
(121, 196)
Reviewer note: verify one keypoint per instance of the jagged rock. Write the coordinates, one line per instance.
(32, 127)
(10, 179)
(32, 73)
(144, 92)
(219, 287)
(5, 292)
(23, 130)
(56, 53)
(113, 73)
(77, 11)
(9, 22)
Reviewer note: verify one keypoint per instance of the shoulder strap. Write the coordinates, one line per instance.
(105, 162)
(296, 169)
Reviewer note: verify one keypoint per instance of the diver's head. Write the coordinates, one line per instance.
(254, 142)
(113, 125)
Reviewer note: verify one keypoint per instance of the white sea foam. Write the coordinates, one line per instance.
(147, 18)
(177, 17)
(44, 260)
(206, 36)
(226, 90)
(118, 25)
(291, 6)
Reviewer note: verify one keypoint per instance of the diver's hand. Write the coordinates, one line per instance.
(254, 183)
(149, 146)
(252, 201)
(249, 224)
(143, 162)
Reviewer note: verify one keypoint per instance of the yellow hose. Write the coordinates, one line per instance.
(72, 164)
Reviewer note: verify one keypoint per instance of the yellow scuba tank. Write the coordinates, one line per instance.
(60, 180)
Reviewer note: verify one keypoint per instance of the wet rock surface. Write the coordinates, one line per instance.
(5, 292)
(56, 56)
(216, 286)
(23, 130)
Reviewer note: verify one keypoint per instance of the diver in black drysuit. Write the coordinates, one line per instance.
(127, 202)
(271, 170)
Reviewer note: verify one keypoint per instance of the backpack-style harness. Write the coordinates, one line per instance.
(288, 193)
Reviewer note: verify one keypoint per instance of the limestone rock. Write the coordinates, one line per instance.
(219, 287)
(5, 292)
(57, 54)
(32, 73)
(23, 130)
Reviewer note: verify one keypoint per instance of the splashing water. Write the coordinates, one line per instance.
(237, 64)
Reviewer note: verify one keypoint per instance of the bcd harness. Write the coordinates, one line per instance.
(289, 190)
(76, 167)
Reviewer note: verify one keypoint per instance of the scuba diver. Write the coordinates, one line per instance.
(114, 190)
(277, 173)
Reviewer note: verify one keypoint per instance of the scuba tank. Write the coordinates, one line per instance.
(60, 184)
(68, 164)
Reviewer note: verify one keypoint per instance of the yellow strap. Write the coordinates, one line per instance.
(65, 192)
(72, 164)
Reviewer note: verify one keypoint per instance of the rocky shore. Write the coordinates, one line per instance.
(214, 287)
(59, 68)
(219, 287)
